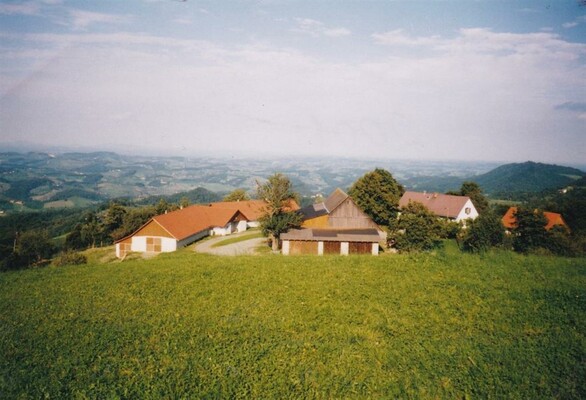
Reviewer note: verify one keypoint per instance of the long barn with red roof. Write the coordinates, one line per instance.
(171, 231)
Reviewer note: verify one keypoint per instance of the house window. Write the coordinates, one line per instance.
(467, 210)
(153, 244)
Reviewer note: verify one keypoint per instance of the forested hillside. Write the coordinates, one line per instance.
(505, 181)
(527, 177)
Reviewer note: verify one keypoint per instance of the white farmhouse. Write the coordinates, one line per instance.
(457, 208)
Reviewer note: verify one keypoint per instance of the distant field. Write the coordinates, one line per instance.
(71, 202)
(187, 325)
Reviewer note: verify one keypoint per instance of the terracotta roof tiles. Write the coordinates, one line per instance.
(553, 219)
(442, 205)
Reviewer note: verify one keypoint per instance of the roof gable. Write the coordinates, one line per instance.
(314, 211)
(335, 199)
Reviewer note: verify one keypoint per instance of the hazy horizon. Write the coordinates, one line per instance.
(483, 81)
(24, 148)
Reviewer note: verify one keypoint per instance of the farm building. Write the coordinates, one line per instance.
(336, 226)
(553, 219)
(171, 231)
(457, 208)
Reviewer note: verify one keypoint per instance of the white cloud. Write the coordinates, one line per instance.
(27, 8)
(572, 24)
(479, 95)
(398, 38)
(183, 21)
(485, 41)
(80, 20)
(316, 28)
(337, 32)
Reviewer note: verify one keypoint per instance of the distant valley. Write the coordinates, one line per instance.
(41, 180)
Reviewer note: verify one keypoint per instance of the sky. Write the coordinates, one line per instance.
(426, 80)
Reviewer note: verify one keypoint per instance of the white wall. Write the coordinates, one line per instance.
(138, 244)
(253, 224)
(472, 215)
(241, 227)
(168, 244)
(222, 230)
(285, 247)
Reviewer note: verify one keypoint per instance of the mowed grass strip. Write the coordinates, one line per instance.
(197, 326)
(238, 239)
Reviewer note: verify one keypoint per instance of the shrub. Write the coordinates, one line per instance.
(560, 242)
(417, 229)
(449, 229)
(483, 233)
(70, 258)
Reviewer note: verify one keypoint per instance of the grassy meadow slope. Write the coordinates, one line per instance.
(444, 325)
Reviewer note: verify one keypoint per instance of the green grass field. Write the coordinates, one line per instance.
(184, 325)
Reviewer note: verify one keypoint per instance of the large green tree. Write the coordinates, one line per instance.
(417, 229)
(377, 193)
(530, 230)
(277, 192)
(34, 246)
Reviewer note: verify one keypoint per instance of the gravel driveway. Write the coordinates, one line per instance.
(234, 249)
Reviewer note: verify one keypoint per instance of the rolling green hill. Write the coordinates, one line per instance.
(184, 325)
(527, 177)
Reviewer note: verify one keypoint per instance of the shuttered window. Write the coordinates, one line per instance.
(153, 244)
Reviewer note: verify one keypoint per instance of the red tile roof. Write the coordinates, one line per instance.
(252, 209)
(553, 219)
(186, 222)
(442, 205)
(190, 220)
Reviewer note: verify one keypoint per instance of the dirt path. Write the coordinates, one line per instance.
(234, 249)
